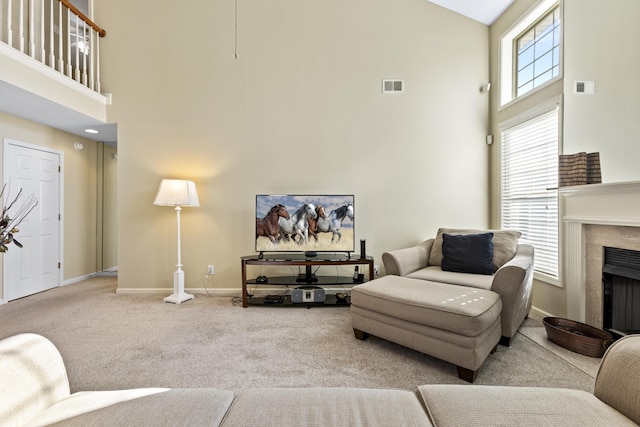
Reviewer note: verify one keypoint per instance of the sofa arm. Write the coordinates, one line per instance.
(404, 261)
(33, 378)
(513, 282)
(618, 379)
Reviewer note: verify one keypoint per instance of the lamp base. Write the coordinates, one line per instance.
(178, 298)
(179, 295)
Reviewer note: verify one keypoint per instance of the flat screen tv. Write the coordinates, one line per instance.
(305, 223)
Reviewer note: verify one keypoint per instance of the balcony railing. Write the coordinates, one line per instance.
(55, 33)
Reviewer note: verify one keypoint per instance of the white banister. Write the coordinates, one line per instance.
(92, 52)
(9, 26)
(32, 29)
(76, 52)
(21, 26)
(43, 50)
(62, 37)
(60, 48)
(97, 66)
(52, 41)
(68, 45)
(85, 53)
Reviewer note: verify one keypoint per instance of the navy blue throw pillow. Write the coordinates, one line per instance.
(468, 253)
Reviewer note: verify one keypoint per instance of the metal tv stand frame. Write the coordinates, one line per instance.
(307, 278)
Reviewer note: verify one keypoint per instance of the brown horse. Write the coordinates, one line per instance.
(313, 222)
(268, 226)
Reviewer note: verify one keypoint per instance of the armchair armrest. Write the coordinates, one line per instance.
(513, 282)
(404, 261)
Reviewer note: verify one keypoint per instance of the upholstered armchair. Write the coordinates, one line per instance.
(511, 275)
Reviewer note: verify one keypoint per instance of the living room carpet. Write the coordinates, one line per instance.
(111, 341)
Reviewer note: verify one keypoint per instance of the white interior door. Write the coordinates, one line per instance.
(36, 266)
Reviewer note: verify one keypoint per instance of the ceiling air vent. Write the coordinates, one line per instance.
(392, 86)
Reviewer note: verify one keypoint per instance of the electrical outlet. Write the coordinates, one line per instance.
(376, 269)
(210, 269)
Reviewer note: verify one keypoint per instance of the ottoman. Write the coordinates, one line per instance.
(457, 324)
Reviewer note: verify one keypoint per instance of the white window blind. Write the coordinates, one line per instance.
(529, 179)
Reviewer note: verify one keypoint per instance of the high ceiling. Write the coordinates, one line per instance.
(23, 104)
(485, 11)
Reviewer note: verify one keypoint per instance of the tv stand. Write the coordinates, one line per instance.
(308, 276)
(264, 260)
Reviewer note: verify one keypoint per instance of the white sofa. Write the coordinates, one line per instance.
(512, 279)
(34, 391)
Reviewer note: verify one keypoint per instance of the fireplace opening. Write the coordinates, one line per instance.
(621, 290)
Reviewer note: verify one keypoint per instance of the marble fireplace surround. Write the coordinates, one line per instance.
(593, 217)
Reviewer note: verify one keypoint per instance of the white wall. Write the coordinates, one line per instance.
(299, 110)
(601, 42)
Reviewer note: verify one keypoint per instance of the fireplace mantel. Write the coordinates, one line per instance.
(613, 204)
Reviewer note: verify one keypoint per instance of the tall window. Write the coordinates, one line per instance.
(529, 176)
(530, 51)
(538, 53)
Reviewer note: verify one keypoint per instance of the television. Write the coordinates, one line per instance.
(305, 223)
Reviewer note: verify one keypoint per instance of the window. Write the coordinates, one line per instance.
(530, 51)
(529, 178)
(537, 53)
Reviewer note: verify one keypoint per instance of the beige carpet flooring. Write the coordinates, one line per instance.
(111, 341)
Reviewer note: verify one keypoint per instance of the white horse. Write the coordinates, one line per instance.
(297, 224)
(333, 221)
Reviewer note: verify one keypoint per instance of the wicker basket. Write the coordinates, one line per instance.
(578, 337)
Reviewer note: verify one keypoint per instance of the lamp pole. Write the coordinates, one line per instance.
(179, 294)
(177, 193)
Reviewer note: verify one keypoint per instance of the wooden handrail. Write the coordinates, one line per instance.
(101, 32)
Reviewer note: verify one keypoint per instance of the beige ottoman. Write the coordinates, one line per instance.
(458, 324)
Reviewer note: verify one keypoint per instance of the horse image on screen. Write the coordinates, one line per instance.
(309, 223)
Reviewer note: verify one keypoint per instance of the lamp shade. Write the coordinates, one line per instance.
(177, 192)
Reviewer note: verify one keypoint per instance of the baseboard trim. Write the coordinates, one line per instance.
(536, 313)
(141, 291)
(219, 292)
(215, 292)
(78, 279)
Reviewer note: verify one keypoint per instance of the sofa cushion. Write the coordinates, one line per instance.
(435, 273)
(505, 244)
(140, 407)
(452, 405)
(322, 406)
(468, 253)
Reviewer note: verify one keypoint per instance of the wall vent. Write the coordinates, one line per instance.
(392, 86)
(584, 87)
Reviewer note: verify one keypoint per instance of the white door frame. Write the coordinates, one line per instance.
(5, 178)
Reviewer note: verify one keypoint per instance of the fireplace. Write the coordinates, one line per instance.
(621, 291)
(595, 216)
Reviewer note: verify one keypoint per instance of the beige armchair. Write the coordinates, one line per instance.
(512, 279)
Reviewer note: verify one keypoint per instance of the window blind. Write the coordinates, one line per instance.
(529, 181)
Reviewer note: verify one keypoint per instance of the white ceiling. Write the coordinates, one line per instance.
(485, 11)
(21, 103)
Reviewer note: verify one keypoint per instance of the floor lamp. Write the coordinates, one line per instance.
(178, 193)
